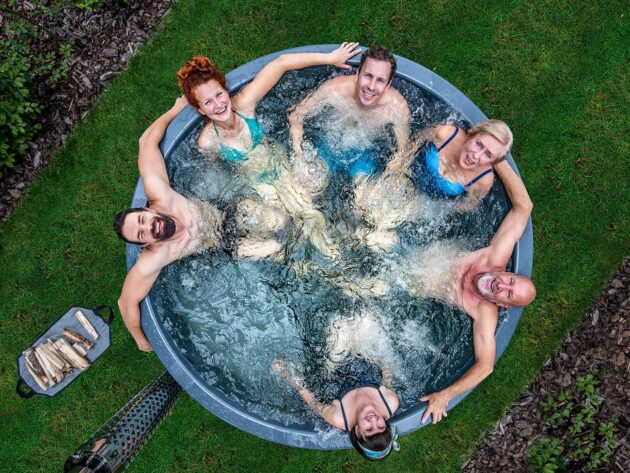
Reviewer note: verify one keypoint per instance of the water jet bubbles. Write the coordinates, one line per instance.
(232, 317)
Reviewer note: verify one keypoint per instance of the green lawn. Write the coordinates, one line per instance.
(557, 72)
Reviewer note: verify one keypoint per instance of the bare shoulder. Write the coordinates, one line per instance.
(207, 138)
(483, 185)
(152, 258)
(443, 133)
(332, 414)
(396, 99)
(343, 85)
(391, 397)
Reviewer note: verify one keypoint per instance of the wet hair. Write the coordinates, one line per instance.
(376, 442)
(379, 53)
(196, 72)
(119, 221)
(497, 129)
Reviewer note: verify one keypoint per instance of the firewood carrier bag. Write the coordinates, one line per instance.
(67, 343)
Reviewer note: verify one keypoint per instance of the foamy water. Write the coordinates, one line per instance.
(231, 318)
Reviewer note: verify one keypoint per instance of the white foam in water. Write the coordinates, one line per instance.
(232, 318)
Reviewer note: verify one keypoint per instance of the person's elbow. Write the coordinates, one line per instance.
(526, 205)
(281, 63)
(486, 369)
(126, 304)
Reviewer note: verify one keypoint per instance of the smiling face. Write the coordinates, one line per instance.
(214, 101)
(147, 226)
(481, 151)
(506, 289)
(369, 422)
(372, 80)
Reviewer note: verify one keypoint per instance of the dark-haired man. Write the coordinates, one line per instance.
(173, 227)
(363, 105)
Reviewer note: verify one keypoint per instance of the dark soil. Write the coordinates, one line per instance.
(104, 41)
(601, 340)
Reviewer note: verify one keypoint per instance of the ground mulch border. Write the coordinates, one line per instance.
(103, 40)
(602, 340)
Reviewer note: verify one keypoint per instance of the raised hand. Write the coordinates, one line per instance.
(344, 52)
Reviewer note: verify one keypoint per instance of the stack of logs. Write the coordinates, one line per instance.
(51, 362)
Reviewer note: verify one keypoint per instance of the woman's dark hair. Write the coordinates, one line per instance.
(119, 221)
(376, 443)
(195, 72)
(379, 53)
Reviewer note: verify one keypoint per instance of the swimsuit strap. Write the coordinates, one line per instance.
(384, 401)
(246, 120)
(479, 177)
(343, 413)
(449, 140)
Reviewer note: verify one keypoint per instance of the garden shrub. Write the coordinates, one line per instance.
(579, 434)
(22, 70)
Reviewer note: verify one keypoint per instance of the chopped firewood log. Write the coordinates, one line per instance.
(74, 336)
(72, 356)
(86, 324)
(34, 368)
(55, 371)
(49, 375)
(50, 345)
(52, 356)
(31, 358)
(79, 349)
(40, 382)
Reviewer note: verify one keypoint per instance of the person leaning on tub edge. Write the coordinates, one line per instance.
(365, 99)
(478, 283)
(170, 228)
(363, 409)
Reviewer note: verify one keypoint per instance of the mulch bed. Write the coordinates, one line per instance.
(602, 340)
(104, 41)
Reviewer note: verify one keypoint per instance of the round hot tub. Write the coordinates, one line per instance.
(223, 398)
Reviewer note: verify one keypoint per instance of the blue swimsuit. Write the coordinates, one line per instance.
(352, 161)
(233, 154)
(426, 173)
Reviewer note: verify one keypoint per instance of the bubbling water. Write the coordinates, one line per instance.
(232, 317)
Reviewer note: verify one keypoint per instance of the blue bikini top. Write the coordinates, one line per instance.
(430, 179)
(233, 154)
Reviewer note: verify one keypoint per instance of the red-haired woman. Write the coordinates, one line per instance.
(232, 132)
(231, 128)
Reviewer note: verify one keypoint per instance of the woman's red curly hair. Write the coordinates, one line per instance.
(195, 72)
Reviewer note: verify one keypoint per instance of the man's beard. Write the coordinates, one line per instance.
(163, 227)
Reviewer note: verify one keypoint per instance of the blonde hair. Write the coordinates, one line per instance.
(497, 129)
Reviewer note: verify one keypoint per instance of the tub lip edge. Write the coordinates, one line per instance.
(406, 422)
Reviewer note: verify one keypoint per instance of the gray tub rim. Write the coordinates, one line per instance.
(214, 399)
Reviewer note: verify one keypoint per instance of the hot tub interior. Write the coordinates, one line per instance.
(230, 318)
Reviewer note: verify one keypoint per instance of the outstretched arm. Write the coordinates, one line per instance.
(515, 221)
(137, 285)
(485, 348)
(327, 412)
(272, 72)
(150, 160)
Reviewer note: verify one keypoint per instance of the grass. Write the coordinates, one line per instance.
(554, 71)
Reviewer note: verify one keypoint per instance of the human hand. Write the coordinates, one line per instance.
(344, 52)
(437, 406)
(180, 103)
(280, 367)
